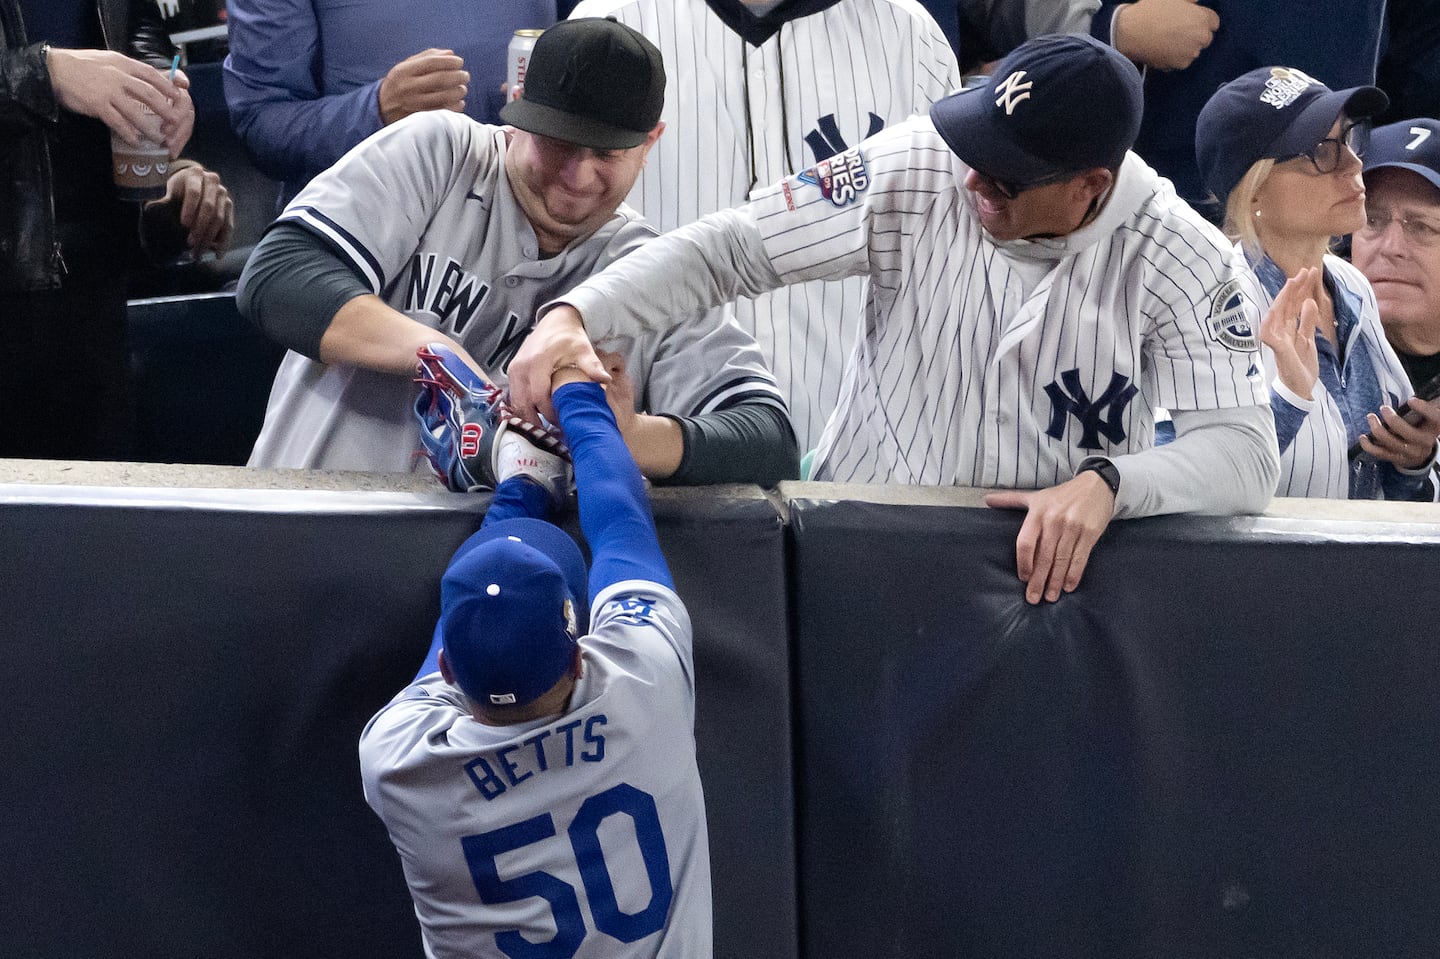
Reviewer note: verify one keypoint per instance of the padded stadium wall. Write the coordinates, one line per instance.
(1226, 743)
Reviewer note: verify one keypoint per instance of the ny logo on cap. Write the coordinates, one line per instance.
(1012, 91)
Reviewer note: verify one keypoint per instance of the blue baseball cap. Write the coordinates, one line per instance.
(512, 603)
(1055, 105)
(1412, 145)
(1270, 113)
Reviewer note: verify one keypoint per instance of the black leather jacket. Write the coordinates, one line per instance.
(30, 256)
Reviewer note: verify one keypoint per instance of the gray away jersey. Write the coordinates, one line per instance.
(980, 363)
(583, 832)
(423, 211)
(738, 116)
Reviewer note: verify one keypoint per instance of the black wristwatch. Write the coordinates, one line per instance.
(1104, 469)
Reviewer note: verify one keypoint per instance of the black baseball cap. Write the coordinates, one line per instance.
(1270, 113)
(1412, 145)
(592, 81)
(513, 602)
(1056, 104)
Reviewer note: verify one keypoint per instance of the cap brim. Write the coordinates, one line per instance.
(1432, 176)
(549, 539)
(535, 117)
(1314, 122)
(965, 122)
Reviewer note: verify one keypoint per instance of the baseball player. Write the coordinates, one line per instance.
(438, 227)
(769, 90)
(1036, 291)
(540, 785)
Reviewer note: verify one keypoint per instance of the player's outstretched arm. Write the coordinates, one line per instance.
(614, 511)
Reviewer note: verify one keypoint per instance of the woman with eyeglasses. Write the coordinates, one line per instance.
(1282, 151)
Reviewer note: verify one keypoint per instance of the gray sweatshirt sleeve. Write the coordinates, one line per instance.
(714, 260)
(1222, 461)
(1010, 23)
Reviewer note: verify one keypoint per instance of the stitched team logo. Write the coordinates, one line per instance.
(1012, 90)
(1230, 323)
(633, 610)
(841, 179)
(826, 140)
(1102, 416)
(1283, 85)
(470, 436)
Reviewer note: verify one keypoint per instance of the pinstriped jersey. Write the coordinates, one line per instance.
(575, 835)
(980, 363)
(423, 211)
(1314, 445)
(740, 114)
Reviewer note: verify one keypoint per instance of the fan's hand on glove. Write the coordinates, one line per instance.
(472, 438)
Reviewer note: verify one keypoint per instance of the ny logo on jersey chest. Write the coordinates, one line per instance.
(1102, 416)
(826, 140)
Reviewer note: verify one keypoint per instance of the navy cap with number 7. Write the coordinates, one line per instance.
(1412, 145)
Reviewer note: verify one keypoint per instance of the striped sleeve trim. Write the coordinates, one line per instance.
(742, 389)
(346, 244)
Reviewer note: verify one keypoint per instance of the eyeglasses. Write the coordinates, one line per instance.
(1009, 189)
(1327, 155)
(1419, 231)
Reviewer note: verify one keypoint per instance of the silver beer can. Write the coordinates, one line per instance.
(520, 46)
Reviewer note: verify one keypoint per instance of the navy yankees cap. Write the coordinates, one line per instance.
(1412, 145)
(1055, 104)
(591, 81)
(1270, 113)
(512, 603)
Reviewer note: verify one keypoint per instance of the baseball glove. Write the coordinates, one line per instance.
(470, 435)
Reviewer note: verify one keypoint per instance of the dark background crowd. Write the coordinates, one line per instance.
(72, 255)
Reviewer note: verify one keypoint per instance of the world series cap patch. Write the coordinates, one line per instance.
(1284, 85)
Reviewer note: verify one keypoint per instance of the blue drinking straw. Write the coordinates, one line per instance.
(174, 65)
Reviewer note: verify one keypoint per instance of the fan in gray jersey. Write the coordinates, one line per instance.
(540, 785)
(1036, 292)
(441, 229)
(769, 90)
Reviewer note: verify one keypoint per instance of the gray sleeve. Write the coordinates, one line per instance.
(1222, 461)
(1066, 16)
(293, 285)
(1010, 23)
(716, 259)
(751, 442)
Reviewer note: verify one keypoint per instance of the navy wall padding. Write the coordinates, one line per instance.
(187, 684)
(186, 691)
(1226, 743)
(727, 555)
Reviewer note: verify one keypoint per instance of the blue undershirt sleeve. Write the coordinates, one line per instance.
(614, 510)
(1288, 419)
